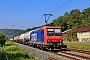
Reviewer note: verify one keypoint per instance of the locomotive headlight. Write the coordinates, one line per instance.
(48, 40)
(60, 40)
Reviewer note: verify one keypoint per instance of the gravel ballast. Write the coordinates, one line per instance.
(41, 55)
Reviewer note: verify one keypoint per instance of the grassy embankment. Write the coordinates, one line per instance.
(15, 52)
(1, 55)
(79, 46)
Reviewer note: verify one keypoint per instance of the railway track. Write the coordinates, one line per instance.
(81, 51)
(73, 54)
(51, 58)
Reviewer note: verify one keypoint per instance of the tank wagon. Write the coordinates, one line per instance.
(15, 39)
(27, 37)
(23, 38)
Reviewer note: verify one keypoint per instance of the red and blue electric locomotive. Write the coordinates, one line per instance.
(48, 37)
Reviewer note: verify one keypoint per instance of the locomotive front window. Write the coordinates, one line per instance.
(50, 32)
(57, 32)
(53, 32)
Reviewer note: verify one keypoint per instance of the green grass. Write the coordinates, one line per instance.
(78, 46)
(15, 52)
(1, 55)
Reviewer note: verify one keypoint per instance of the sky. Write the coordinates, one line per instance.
(23, 14)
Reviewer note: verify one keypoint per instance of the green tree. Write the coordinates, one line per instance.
(74, 19)
(3, 39)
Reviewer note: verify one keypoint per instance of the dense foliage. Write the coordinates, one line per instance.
(3, 39)
(70, 37)
(74, 19)
(11, 32)
(1, 55)
(15, 52)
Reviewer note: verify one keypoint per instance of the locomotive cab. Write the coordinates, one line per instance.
(53, 37)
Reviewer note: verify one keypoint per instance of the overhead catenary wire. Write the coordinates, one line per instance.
(57, 8)
(62, 6)
(84, 5)
(38, 20)
(46, 11)
(53, 5)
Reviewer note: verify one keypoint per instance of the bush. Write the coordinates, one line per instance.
(15, 52)
(3, 39)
